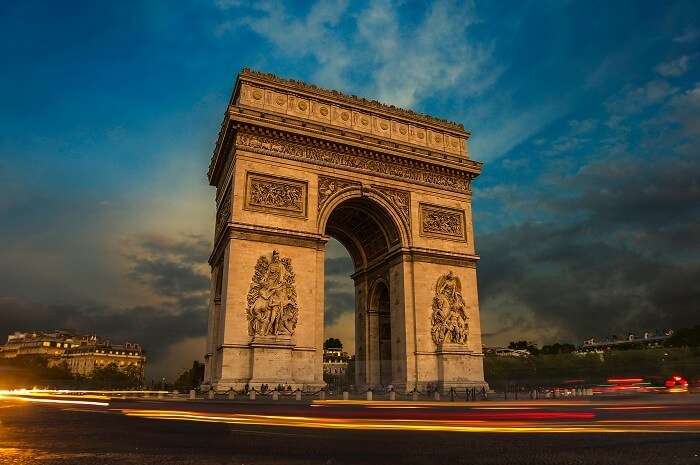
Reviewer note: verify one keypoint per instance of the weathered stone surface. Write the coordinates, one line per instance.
(295, 164)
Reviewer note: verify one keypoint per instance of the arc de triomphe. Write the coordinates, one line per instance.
(294, 165)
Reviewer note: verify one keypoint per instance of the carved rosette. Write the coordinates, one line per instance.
(400, 200)
(272, 308)
(449, 319)
(328, 187)
(442, 222)
(275, 195)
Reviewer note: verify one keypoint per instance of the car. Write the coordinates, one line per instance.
(677, 383)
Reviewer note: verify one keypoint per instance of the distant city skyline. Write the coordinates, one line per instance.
(585, 214)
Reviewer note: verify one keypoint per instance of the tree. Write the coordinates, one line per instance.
(685, 337)
(333, 343)
(111, 377)
(191, 378)
(558, 348)
(524, 345)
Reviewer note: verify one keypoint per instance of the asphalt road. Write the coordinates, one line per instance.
(173, 433)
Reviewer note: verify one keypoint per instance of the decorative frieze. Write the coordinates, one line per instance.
(275, 195)
(272, 308)
(442, 222)
(361, 163)
(449, 319)
(328, 187)
(437, 135)
(351, 99)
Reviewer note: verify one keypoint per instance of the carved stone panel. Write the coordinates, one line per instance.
(271, 194)
(272, 308)
(223, 213)
(328, 187)
(399, 199)
(449, 319)
(442, 222)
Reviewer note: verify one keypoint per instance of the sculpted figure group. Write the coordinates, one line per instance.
(449, 318)
(272, 305)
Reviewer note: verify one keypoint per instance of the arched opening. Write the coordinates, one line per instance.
(368, 233)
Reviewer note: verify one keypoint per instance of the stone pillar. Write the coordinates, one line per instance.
(373, 355)
(271, 359)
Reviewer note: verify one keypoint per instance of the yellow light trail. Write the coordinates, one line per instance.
(56, 401)
(471, 426)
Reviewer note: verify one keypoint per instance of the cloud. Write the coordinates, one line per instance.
(339, 288)
(673, 68)
(343, 328)
(174, 269)
(584, 126)
(635, 99)
(177, 358)
(314, 35)
(156, 328)
(608, 248)
(226, 4)
(689, 34)
(684, 110)
(175, 291)
(442, 57)
(505, 126)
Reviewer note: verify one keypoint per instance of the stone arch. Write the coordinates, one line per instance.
(295, 164)
(375, 290)
(374, 196)
(366, 227)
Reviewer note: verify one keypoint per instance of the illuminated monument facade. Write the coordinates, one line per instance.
(294, 165)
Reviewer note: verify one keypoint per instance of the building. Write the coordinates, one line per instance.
(335, 362)
(648, 339)
(83, 359)
(81, 352)
(506, 352)
(49, 344)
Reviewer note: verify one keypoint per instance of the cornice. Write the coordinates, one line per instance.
(269, 78)
(271, 142)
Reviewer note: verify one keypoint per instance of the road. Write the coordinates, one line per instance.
(102, 430)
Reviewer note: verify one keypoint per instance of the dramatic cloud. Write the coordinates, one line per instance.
(155, 328)
(175, 282)
(620, 252)
(585, 210)
(442, 57)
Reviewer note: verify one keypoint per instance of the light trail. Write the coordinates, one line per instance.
(471, 426)
(57, 401)
(476, 417)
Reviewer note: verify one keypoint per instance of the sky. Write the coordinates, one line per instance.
(586, 115)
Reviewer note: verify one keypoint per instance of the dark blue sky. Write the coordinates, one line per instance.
(585, 114)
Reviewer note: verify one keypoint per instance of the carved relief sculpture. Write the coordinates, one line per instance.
(401, 200)
(321, 156)
(442, 222)
(223, 213)
(272, 299)
(276, 195)
(327, 187)
(450, 322)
